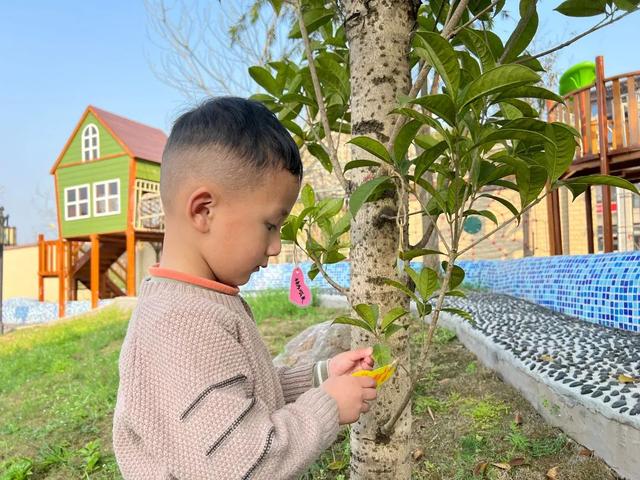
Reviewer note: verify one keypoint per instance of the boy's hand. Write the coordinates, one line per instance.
(351, 394)
(349, 362)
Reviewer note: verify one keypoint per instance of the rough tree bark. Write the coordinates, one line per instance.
(378, 32)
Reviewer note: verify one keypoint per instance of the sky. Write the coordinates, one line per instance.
(56, 58)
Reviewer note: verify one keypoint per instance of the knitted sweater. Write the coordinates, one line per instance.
(199, 397)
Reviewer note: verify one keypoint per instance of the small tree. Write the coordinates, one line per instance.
(363, 66)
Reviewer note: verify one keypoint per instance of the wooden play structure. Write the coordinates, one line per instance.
(107, 185)
(607, 115)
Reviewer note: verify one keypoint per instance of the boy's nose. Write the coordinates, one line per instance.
(274, 247)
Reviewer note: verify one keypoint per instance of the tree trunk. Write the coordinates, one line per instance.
(378, 32)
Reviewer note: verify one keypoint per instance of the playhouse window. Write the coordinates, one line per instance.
(76, 202)
(106, 198)
(90, 143)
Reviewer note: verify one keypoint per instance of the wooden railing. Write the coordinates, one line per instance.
(622, 115)
(49, 252)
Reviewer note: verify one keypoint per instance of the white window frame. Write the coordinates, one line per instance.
(77, 202)
(106, 197)
(91, 150)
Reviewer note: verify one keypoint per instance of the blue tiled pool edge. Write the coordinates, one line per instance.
(600, 288)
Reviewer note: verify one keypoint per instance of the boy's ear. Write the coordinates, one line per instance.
(201, 208)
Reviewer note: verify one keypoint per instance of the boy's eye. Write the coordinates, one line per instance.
(270, 227)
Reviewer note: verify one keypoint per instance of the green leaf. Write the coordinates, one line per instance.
(321, 154)
(313, 20)
(456, 311)
(424, 161)
(391, 316)
(422, 118)
(560, 150)
(403, 288)
(483, 213)
(439, 53)
(427, 282)
(521, 40)
(457, 275)
(529, 91)
(579, 184)
(419, 252)
(582, 8)
(360, 163)
(263, 77)
(313, 272)
(441, 105)
(356, 322)
(530, 183)
(308, 196)
(504, 202)
(363, 192)
(372, 146)
(369, 313)
(381, 355)
(476, 42)
(391, 329)
(498, 79)
(627, 5)
(404, 139)
(277, 5)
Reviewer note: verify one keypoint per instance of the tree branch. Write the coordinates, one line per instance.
(342, 290)
(596, 27)
(497, 229)
(471, 22)
(333, 151)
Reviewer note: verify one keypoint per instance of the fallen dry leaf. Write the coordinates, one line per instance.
(585, 452)
(502, 466)
(518, 419)
(480, 469)
(552, 474)
(431, 413)
(622, 378)
(417, 454)
(516, 462)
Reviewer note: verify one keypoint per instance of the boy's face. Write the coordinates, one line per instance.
(245, 228)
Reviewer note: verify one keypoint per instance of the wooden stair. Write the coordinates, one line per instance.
(110, 253)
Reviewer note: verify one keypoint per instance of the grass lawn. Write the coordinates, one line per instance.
(59, 384)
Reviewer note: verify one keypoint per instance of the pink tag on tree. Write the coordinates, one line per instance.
(299, 293)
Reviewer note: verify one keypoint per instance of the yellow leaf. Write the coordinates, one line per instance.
(626, 379)
(380, 375)
(552, 474)
(502, 466)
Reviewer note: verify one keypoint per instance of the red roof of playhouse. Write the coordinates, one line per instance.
(138, 140)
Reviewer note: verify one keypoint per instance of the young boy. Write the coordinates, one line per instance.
(199, 397)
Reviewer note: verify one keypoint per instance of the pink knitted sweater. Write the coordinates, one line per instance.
(199, 397)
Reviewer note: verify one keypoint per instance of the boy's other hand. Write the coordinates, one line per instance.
(351, 394)
(349, 362)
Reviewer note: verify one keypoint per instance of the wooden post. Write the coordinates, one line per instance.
(557, 230)
(589, 213)
(95, 270)
(61, 274)
(131, 262)
(553, 223)
(41, 254)
(603, 133)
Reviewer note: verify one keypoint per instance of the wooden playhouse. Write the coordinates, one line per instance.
(107, 186)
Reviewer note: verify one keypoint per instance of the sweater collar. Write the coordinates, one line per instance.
(157, 271)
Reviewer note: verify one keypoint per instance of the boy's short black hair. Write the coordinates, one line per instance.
(244, 130)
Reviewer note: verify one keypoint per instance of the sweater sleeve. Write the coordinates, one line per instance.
(204, 421)
(297, 380)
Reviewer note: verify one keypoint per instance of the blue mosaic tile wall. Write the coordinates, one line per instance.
(24, 311)
(602, 288)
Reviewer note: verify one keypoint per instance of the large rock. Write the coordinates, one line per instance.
(317, 342)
